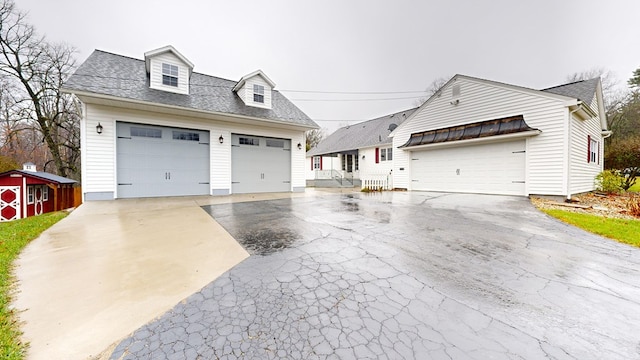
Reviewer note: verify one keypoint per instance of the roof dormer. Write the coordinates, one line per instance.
(168, 70)
(255, 89)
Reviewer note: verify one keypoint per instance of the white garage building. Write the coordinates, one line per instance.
(481, 136)
(154, 127)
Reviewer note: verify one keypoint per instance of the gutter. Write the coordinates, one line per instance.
(183, 109)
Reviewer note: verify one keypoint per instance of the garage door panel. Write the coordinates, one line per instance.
(260, 164)
(161, 165)
(497, 168)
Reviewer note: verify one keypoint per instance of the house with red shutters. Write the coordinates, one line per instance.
(28, 192)
(356, 155)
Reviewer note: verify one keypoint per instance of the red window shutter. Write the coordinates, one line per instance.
(320, 162)
(377, 155)
(588, 148)
(312, 162)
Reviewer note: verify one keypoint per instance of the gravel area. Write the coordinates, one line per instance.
(612, 205)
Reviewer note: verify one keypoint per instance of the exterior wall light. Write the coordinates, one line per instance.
(299, 146)
(99, 128)
(221, 139)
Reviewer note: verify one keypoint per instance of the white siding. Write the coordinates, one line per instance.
(582, 172)
(156, 73)
(368, 166)
(246, 92)
(328, 163)
(479, 101)
(99, 150)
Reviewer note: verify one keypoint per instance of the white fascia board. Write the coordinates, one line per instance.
(185, 111)
(478, 141)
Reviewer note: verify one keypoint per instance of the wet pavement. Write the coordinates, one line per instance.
(405, 276)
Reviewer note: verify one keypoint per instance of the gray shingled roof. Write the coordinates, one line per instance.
(43, 175)
(104, 73)
(365, 134)
(583, 90)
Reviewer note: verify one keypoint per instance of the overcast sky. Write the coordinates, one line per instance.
(359, 46)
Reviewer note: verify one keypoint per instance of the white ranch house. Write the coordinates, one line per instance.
(356, 155)
(153, 127)
(478, 136)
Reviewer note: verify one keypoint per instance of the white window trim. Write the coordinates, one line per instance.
(31, 193)
(45, 193)
(170, 74)
(593, 151)
(259, 91)
(316, 163)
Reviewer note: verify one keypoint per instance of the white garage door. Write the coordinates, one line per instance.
(497, 168)
(161, 161)
(260, 164)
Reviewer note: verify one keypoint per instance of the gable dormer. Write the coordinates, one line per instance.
(255, 89)
(168, 70)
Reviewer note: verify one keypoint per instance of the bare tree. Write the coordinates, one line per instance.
(314, 137)
(433, 88)
(38, 69)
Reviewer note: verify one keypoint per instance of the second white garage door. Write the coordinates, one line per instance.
(260, 164)
(497, 168)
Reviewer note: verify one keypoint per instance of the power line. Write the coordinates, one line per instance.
(354, 92)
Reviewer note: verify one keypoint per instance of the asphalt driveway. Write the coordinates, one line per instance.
(405, 276)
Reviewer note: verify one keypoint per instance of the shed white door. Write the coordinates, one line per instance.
(497, 168)
(260, 164)
(161, 161)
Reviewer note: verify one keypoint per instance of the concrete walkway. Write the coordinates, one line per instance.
(110, 267)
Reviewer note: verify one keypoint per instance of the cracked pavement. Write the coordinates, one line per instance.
(401, 275)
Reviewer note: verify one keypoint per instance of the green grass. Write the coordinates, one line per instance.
(14, 236)
(635, 187)
(622, 230)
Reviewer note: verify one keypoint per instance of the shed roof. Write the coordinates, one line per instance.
(369, 133)
(488, 128)
(41, 175)
(123, 77)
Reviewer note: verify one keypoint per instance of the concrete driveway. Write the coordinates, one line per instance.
(110, 267)
(405, 276)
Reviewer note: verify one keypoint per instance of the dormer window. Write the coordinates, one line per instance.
(258, 93)
(169, 75)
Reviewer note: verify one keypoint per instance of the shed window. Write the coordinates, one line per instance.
(169, 75)
(30, 193)
(45, 193)
(258, 93)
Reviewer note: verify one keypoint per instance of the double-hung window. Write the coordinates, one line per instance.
(317, 164)
(169, 75)
(258, 93)
(594, 148)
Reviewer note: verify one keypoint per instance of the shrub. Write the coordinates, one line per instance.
(609, 181)
(633, 205)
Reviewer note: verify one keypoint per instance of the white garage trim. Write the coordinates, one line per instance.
(491, 168)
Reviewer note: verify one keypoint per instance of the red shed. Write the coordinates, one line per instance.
(29, 192)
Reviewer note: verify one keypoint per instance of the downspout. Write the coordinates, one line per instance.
(569, 153)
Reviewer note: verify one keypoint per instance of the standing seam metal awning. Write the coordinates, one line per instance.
(503, 126)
